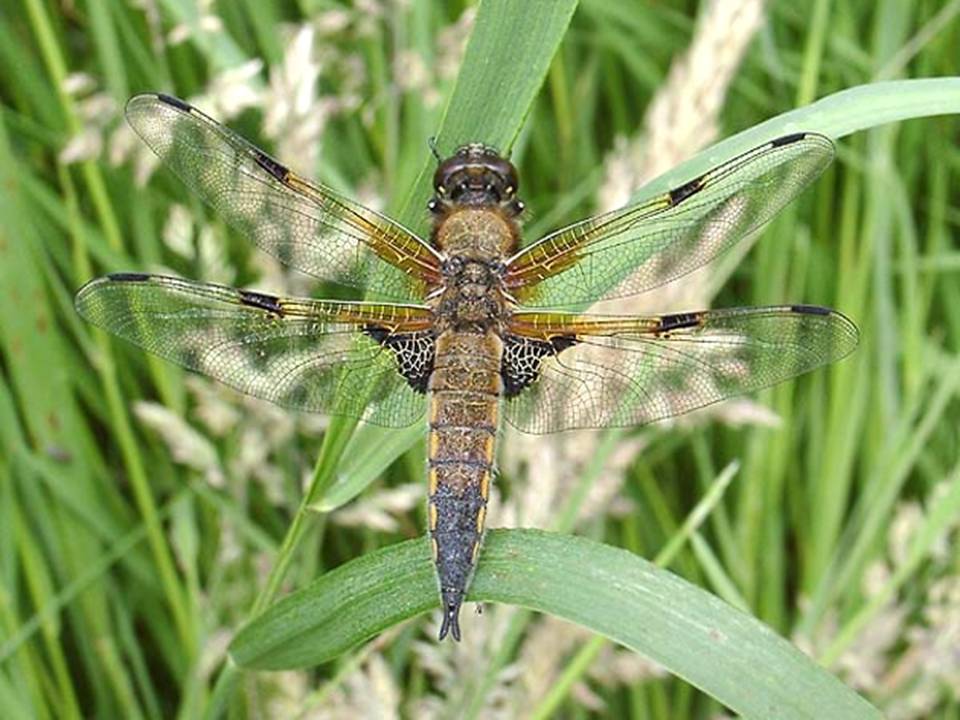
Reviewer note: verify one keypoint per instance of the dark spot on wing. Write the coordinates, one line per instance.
(259, 300)
(562, 342)
(174, 102)
(678, 321)
(522, 356)
(379, 334)
(128, 277)
(679, 194)
(810, 309)
(279, 171)
(787, 139)
(414, 353)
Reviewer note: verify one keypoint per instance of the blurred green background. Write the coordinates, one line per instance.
(142, 510)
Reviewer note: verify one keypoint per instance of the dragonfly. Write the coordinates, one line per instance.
(469, 328)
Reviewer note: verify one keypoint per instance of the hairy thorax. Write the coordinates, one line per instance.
(475, 243)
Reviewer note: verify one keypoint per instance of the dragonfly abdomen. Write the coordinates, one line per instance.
(465, 390)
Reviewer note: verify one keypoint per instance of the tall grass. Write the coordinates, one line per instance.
(145, 516)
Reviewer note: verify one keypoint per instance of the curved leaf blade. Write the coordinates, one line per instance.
(837, 115)
(729, 655)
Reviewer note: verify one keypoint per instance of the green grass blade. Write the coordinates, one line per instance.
(368, 453)
(506, 61)
(729, 655)
(944, 512)
(219, 48)
(836, 116)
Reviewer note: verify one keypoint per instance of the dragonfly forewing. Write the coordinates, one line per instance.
(636, 248)
(305, 225)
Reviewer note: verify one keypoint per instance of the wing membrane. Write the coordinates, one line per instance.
(318, 356)
(619, 371)
(306, 226)
(641, 246)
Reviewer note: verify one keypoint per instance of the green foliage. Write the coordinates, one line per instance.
(127, 557)
(736, 659)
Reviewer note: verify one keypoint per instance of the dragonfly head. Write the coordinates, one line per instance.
(476, 175)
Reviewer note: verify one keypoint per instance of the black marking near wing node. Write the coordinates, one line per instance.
(522, 356)
(810, 309)
(278, 170)
(259, 300)
(788, 139)
(414, 353)
(128, 277)
(174, 102)
(678, 321)
(679, 194)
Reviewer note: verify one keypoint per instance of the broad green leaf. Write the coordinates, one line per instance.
(726, 653)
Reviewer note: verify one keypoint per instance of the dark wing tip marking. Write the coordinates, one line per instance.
(678, 321)
(174, 102)
(811, 310)
(259, 300)
(788, 139)
(128, 277)
(681, 193)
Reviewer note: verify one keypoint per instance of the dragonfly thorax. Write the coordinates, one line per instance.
(472, 297)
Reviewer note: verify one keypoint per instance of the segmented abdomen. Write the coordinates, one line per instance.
(465, 390)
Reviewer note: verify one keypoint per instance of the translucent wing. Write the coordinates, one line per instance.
(307, 226)
(641, 246)
(607, 371)
(356, 359)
